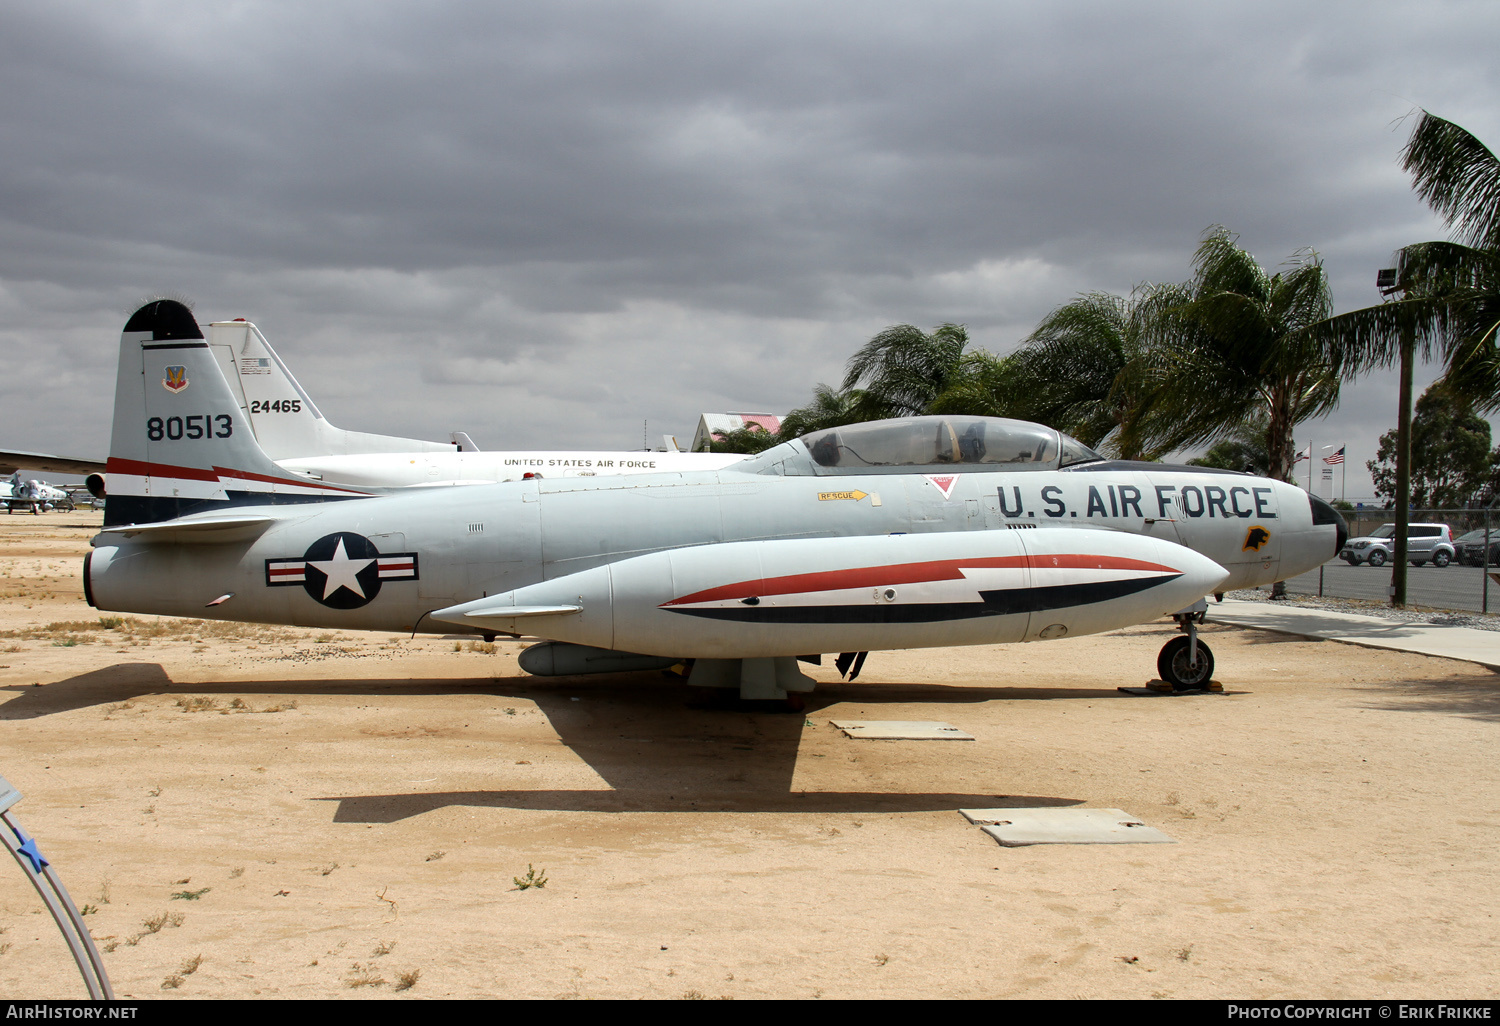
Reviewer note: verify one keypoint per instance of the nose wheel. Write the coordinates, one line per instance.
(1185, 662)
(1175, 665)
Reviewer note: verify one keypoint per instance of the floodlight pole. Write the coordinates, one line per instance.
(1388, 281)
(1484, 605)
(39, 871)
(1403, 470)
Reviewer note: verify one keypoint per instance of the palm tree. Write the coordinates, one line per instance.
(1233, 344)
(904, 369)
(1082, 371)
(829, 408)
(750, 439)
(1244, 449)
(907, 372)
(985, 385)
(1449, 303)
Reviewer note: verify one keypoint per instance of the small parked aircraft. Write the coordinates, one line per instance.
(33, 495)
(920, 532)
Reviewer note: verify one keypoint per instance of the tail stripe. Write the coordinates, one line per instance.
(222, 475)
(138, 468)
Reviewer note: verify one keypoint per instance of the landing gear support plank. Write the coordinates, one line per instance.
(1015, 828)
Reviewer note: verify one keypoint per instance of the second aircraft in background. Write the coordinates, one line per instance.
(294, 433)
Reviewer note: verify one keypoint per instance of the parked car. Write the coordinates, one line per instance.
(1469, 548)
(1423, 542)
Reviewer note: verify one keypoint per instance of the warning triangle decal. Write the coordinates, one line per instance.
(944, 482)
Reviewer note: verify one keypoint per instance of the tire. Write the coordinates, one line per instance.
(1419, 562)
(1441, 559)
(1173, 667)
(1351, 561)
(1377, 558)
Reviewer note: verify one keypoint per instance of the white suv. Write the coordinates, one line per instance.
(1423, 542)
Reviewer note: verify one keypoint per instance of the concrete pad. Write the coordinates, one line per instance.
(1015, 828)
(902, 730)
(8, 794)
(1466, 643)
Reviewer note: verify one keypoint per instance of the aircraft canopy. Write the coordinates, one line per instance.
(990, 443)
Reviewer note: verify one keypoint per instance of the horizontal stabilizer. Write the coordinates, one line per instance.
(14, 460)
(208, 529)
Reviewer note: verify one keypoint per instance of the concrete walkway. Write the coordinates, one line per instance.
(1466, 643)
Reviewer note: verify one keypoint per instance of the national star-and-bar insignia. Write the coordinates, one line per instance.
(342, 571)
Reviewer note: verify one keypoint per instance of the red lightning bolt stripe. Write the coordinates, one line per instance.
(912, 573)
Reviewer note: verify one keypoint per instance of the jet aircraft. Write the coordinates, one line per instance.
(920, 532)
(33, 495)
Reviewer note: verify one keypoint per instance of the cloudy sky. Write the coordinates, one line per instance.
(546, 224)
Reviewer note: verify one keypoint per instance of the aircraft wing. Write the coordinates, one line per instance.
(12, 461)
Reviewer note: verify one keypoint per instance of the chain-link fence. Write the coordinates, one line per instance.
(1452, 554)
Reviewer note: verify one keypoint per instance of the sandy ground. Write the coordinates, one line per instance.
(311, 814)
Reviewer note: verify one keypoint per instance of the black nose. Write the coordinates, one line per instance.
(1323, 513)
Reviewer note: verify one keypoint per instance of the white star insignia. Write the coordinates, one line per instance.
(341, 571)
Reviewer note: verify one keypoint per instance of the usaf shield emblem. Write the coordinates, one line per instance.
(176, 379)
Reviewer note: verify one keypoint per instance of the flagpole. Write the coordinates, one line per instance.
(1339, 457)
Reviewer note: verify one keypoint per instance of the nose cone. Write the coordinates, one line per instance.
(1199, 576)
(1323, 513)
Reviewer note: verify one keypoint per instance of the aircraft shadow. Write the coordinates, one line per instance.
(124, 681)
(658, 745)
(1261, 638)
(662, 751)
(1476, 698)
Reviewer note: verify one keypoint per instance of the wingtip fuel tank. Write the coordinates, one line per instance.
(786, 597)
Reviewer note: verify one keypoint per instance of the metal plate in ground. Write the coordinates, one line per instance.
(902, 730)
(1016, 828)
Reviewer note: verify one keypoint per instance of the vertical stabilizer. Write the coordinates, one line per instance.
(287, 423)
(180, 442)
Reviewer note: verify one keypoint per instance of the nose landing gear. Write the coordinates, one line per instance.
(1186, 663)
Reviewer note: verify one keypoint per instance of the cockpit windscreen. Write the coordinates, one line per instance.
(991, 442)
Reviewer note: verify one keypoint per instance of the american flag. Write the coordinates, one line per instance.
(1337, 457)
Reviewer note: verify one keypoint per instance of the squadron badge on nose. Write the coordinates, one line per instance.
(1255, 538)
(342, 571)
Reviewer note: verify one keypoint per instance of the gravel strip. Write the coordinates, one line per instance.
(1444, 617)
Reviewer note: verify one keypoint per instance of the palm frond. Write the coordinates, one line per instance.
(1222, 266)
(1449, 307)
(903, 368)
(829, 408)
(1458, 176)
